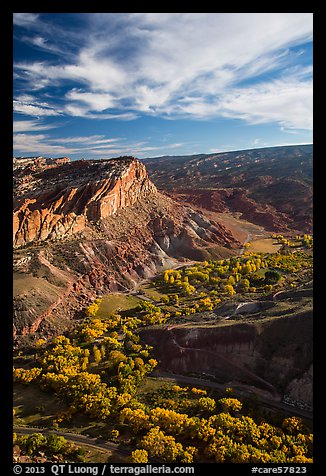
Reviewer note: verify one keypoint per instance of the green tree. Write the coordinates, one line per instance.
(231, 280)
(245, 285)
(272, 277)
(56, 444)
(229, 289)
(159, 445)
(206, 403)
(33, 443)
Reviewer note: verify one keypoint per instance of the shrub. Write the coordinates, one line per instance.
(272, 277)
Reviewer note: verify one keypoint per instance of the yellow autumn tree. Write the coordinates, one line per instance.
(139, 456)
(159, 445)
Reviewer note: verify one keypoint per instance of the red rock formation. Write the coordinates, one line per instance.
(94, 227)
(271, 187)
(65, 208)
(234, 201)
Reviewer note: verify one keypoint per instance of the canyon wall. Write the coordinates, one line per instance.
(273, 354)
(86, 228)
(271, 187)
(55, 207)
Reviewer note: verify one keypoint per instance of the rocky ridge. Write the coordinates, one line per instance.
(85, 228)
(271, 187)
(54, 200)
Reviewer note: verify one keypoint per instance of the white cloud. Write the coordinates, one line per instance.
(25, 98)
(83, 111)
(289, 103)
(95, 139)
(24, 19)
(176, 145)
(94, 145)
(31, 110)
(31, 126)
(29, 105)
(183, 65)
(259, 142)
(38, 144)
(44, 44)
(95, 101)
(126, 150)
(289, 131)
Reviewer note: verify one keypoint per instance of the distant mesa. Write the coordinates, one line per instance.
(271, 187)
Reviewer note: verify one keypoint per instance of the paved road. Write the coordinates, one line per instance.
(75, 438)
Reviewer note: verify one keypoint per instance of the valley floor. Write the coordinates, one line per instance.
(236, 333)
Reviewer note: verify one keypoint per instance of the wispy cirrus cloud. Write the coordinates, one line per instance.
(80, 110)
(27, 143)
(25, 19)
(31, 106)
(31, 125)
(32, 110)
(97, 145)
(39, 144)
(288, 103)
(23, 141)
(178, 65)
(44, 44)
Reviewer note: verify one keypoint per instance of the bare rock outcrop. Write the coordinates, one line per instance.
(271, 354)
(55, 206)
(89, 227)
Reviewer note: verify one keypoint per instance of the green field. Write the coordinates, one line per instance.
(116, 302)
(149, 290)
(33, 407)
(265, 245)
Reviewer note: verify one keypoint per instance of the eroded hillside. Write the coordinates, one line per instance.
(86, 228)
(271, 187)
(269, 347)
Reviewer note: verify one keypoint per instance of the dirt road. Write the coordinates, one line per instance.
(75, 438)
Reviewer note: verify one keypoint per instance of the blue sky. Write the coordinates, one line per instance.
(99, 85)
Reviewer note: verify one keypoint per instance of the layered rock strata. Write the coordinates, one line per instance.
(86, 228)
(273, 354)
(54, 206)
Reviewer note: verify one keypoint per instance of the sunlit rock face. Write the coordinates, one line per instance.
(89, 227)
(60, 198)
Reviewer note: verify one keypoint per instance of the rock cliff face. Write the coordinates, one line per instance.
(85, 228)
(54, 204)
(273, 354)
(236, 201)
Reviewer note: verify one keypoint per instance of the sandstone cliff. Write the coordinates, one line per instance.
(58, 201)
(85, 228)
